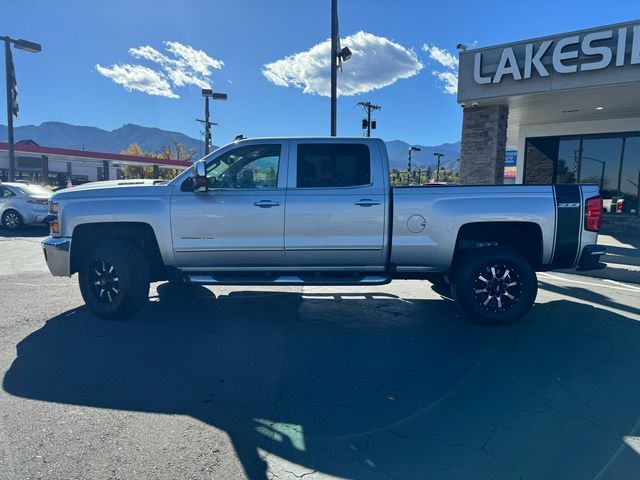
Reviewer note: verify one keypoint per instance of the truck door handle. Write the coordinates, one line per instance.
(366, 202)
(266, 204)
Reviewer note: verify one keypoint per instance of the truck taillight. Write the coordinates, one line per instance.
(593, 214)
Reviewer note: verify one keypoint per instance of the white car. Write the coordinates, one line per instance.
(22, 204)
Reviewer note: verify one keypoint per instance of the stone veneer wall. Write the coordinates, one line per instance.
(484, 140)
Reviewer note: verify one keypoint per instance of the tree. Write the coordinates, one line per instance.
(146, 171)
(429, 173)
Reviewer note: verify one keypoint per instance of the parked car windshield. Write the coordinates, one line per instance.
(34, 190)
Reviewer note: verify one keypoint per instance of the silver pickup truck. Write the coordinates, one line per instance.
(317, 211)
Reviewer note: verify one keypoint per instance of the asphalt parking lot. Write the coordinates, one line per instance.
(376, 382)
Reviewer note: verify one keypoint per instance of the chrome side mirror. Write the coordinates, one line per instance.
(200, 177)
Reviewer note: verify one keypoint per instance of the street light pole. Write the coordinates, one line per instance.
(338, 56)
(7, 67)
(439, 155)
(411, 149)
(208, 93)
(334, 66)
(10, 81)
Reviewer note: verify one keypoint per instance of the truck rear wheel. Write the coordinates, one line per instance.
(114, 280)
(494, 285)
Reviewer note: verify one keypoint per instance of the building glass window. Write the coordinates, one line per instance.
(568, 160)
(600, 163)
(630, 175)
(609, 160)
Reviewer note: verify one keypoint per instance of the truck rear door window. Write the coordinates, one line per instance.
(324, 165)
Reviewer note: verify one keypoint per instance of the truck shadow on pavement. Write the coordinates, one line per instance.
(29, 231)
(360, 385)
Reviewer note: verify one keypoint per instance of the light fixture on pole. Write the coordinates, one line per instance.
(439, 155)
(208, 93)
(411, 149)
(12, 92)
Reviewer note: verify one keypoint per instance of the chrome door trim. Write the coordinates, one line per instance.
(205, 250)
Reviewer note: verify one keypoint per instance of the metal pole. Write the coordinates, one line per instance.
(409, 168)
(12, 158)
(601, 175)
(638, 194)
(334, 66)
(438, 170)
(207, 127)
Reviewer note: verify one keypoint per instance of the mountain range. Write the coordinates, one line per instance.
(64, 135)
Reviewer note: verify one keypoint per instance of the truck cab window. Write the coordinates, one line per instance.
(323, 165)
(249, 167)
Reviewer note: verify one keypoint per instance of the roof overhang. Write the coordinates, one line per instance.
(70, 155)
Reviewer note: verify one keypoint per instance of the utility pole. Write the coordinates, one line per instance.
(334, 66)
(369, 107)
(207, 127)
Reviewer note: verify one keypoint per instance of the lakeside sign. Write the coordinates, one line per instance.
(601, 56)
(598, 55)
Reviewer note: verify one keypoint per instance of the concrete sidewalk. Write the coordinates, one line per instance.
(622, 258)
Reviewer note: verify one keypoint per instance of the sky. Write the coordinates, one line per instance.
(109, 63)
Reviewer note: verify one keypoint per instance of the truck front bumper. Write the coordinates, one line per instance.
(590, 259)
(57, 253)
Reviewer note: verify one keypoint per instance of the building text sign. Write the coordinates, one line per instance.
(562, 51)
(602, 56)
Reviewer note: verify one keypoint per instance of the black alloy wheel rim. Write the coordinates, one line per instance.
(497, 287)
(11, 220)
(104, 282)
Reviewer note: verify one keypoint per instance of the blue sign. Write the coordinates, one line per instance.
(511, 158)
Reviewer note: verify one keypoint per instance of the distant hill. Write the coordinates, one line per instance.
(64, 135)
(398, 152)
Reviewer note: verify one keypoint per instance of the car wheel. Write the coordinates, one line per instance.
(12, 220)
(114, 280)
(494, 286)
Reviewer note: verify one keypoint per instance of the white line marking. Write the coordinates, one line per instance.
(627, 288)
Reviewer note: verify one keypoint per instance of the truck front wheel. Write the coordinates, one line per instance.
(494, 285)
(114, 280)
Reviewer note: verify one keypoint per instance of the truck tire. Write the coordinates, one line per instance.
(494, 285)
(114, 280)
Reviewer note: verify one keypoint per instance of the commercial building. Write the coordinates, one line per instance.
(55, 166)
(563, 108)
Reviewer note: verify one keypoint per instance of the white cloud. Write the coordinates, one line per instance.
(450, 80)
(184, 66)
(376, 62)
(137, 77)
(448, 61)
